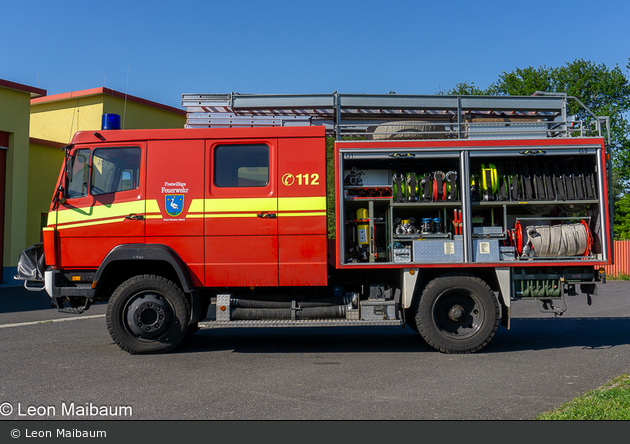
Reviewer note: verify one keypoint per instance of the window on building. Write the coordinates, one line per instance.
(241, 166)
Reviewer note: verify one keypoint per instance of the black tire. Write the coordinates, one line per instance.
(457, 314)
(410, 319)
(192, 329)
(147, 314)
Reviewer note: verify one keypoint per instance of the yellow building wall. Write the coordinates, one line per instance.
(138, 116)
(59, 120)
(44, 165)
(14, 119)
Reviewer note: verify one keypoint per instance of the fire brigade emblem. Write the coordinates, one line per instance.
(174, 204)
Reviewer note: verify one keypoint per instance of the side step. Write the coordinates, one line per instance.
(209, 323)
(349, 313)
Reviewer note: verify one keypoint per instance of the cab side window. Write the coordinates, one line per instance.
(80, 174)
(115, 169)
(241, 165)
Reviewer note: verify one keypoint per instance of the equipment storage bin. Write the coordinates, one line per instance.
(485, 232)
(378, 310)
(485, 250)
(402, 255)
(507, 253)
(438, 250)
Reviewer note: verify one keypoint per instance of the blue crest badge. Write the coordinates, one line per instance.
(174, 204)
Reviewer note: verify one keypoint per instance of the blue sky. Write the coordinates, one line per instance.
(160, 49)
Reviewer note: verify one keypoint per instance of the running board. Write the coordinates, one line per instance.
(208, 323)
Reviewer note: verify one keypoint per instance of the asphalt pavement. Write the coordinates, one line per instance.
(55, 360)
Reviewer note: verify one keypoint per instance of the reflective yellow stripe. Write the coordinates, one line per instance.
(199, 208)
(302, 203)
(52, 218)
(89, 224)
(240, 204)
(231, 215)
(229, 205)
(312, 213)
(196, 206)
(152, 206)
(100, 212)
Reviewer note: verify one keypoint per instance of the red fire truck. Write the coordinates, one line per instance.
(435, 212)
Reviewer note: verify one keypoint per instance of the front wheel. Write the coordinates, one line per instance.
(147, 314)
(457, 314)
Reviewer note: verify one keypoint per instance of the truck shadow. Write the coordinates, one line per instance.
(525, 334)
(17, 298)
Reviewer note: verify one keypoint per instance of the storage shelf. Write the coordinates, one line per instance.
(426, 204)
(495, 203)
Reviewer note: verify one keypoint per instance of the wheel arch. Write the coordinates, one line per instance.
(125, 261)
(498, 279)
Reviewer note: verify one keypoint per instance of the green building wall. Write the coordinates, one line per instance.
(14, 119)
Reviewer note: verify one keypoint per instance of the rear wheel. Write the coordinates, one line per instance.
(147, 314)
(457, 314)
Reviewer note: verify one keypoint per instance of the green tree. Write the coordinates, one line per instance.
(606, 92)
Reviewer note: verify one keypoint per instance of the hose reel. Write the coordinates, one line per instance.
(559, 240)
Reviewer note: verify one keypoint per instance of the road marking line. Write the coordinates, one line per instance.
(48, 321)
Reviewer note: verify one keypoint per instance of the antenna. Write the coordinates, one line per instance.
(125, 107)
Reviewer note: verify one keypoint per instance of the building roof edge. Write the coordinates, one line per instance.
(33, 91)
(44, 142)
(107, 92)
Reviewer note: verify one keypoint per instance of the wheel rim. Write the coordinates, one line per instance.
(458, 314)
(148, 315)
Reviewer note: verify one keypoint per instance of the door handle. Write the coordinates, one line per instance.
(267, 215)
(135, 217)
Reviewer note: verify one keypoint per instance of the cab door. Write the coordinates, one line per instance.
(105, 204)
(241, 213)
(175, 191)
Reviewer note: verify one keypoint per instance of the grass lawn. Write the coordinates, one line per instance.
(609, 402)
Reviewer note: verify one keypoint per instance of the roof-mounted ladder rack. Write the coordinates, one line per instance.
(361, 114)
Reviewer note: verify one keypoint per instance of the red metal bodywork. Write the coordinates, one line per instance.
(273, 235)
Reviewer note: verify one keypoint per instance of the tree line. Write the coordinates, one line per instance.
(605, 91)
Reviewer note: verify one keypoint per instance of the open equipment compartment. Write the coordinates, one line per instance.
(406, 203)
(541, 204)
(410, 199)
